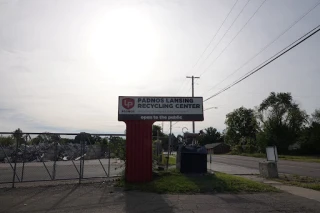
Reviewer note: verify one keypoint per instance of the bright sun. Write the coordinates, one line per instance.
(124, 41)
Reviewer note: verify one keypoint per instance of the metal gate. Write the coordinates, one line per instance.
(29, 157)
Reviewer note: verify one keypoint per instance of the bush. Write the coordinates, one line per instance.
(6, 141)
(237, 149)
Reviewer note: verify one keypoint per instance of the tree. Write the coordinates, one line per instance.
(163, 137)
(86, 137)
(18, 136)
(117, 146)
(96, 139)
(6, 141)
(155, 129)
(174, 142)
(315, 117)
(242, 126)
(310, 136)
(46, 137)
(210, 135)
(281, 121)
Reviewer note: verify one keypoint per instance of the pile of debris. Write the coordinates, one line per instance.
(48, 152)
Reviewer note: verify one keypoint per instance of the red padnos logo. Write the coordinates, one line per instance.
(128, 103)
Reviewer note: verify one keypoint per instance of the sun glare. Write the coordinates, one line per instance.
(124, 41)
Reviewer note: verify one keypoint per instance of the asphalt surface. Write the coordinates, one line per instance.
(252, 165)
(95, 198)
(36, 171)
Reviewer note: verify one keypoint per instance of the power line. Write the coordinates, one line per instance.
(226, 31)
(183, 83)
(273, 58)
(233, 38)
(266, 47)
(209, 43)
(175, 123)
(215, 34)
(210, 108)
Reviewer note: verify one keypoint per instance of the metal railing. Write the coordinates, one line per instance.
(30, 157)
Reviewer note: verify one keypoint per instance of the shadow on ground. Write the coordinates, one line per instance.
(95, 197)
(147, 202)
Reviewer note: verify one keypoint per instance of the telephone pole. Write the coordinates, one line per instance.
(192, 83)
(162, 127)
(169, 145)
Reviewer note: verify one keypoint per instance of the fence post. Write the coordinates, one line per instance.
(80, 158)
(109, 155)
(23, 157)
(55, 160)
(83, 152)
(82, 144)
(15, 164)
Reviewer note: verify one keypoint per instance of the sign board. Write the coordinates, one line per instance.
(272, 153)
(160, 108)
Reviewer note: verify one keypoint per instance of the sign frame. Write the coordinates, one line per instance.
(127, 108)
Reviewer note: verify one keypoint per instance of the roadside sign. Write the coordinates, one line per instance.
(160, 108)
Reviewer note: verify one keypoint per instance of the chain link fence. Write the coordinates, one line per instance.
(29, 157)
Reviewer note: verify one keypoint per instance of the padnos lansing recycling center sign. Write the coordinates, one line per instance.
(160, 108)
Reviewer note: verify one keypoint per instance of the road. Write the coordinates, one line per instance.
(252, 165)
(35, 171)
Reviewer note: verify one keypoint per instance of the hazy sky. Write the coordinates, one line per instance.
(64, 63)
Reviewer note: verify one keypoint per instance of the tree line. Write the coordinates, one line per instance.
(47, 137)
(277, 121)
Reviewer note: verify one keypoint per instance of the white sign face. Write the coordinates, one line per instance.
(272, 153)
(160, 108)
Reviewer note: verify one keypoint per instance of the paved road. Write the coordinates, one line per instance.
(64, 170)
(96, 198)
(284, 166)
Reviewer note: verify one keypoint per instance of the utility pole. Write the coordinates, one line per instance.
(192, 82)
(162, 127)
(169, 144)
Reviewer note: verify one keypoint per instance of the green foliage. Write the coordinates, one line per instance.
(18, 135)
(155, 130)
(237, 149)
(310, 136)
(172, 160)
(66, 140)
(175, 182)
(164, 138)
(6, 141)
(117, 146)
(250, 145)
(281, 121)
(300, 181)
(242, 126)
(315, 117)
(46, 137)
(211, 135)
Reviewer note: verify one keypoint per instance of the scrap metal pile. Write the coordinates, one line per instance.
(43, 152)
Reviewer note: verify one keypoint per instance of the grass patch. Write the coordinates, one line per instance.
(173, 182)
(283, 157)
(301, 181)
(172, 160)
(300, 158)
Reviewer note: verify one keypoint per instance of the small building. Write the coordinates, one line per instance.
(217, 148)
